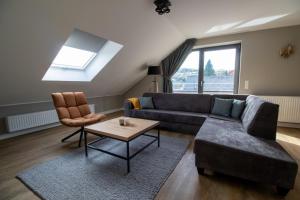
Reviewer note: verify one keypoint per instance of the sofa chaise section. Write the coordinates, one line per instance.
(246, 149)
(225, 147)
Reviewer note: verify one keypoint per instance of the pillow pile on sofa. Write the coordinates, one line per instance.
(142, 102)
(238, 107)
(228, 107)
(135, 102)
(146, 102)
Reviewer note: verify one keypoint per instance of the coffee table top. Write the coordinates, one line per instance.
(112, 128)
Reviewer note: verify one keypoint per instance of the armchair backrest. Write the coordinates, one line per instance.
(70, 105)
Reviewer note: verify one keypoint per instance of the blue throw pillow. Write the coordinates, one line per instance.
(238, 107)
(222, 107)
(146, 102)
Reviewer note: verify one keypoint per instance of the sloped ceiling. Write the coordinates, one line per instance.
(194, 18)
(33, 31)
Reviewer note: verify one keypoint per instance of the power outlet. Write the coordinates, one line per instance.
(246, 84)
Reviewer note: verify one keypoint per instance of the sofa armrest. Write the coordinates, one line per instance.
(260, 118)
(127, 108)
(265, 122)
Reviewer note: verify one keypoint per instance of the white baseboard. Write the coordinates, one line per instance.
(35, 129)
(112, 111)
(288, 125)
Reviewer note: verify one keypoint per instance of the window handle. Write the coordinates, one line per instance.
(201, 83)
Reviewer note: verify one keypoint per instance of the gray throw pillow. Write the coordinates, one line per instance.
(238, 107)
(146, 102)
(222, 107)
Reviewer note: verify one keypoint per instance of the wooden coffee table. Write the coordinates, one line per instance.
(112, 129)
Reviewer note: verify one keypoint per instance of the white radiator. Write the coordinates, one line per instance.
(289, 107)
(32, 120)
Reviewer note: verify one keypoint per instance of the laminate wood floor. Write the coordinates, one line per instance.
(22, 152)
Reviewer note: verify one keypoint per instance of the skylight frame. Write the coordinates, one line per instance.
(73, 67)
(109, 50)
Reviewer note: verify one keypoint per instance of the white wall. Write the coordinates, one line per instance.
(261, 65)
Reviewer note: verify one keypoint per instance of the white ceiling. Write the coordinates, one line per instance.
(194, 18)
(33, 31)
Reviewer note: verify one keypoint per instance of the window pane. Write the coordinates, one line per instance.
(186, 78)
(219, 69)
(72, 58)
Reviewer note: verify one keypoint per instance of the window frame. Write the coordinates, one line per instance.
(201, 51)
(236, 46)
(188, 92)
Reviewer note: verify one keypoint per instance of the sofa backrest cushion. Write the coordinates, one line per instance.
(222, 107)
(146, 102)
(227, 96)
(238, 107)
(260, 118)
(135, 102)
(181, 102)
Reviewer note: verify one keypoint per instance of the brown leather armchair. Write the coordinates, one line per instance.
(73, 111)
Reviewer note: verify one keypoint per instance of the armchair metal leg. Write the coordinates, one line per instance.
(80, 137)
(76, 132)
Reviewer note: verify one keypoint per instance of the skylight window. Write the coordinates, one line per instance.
(73, 58)
(81, 58)
(261, 21)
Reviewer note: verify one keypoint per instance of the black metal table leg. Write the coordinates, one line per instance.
(85, 143)
(158, 137)
(128, 157)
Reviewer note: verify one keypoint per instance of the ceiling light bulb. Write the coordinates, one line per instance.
(162, 6)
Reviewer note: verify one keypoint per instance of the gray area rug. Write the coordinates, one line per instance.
(101, 176)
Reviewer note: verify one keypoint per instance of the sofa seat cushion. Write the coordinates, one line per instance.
(232, 135)
(224, 118)
(225, 146)
(170, 116)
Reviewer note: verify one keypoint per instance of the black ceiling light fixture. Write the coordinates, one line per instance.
(162, 6)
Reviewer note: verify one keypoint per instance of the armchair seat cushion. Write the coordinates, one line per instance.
(83, 121)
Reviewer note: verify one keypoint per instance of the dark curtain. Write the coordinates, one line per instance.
(172, 62)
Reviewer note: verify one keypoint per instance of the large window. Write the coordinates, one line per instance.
(212, 69)
(187, 76)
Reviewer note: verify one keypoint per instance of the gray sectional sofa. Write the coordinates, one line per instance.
(245, 147)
